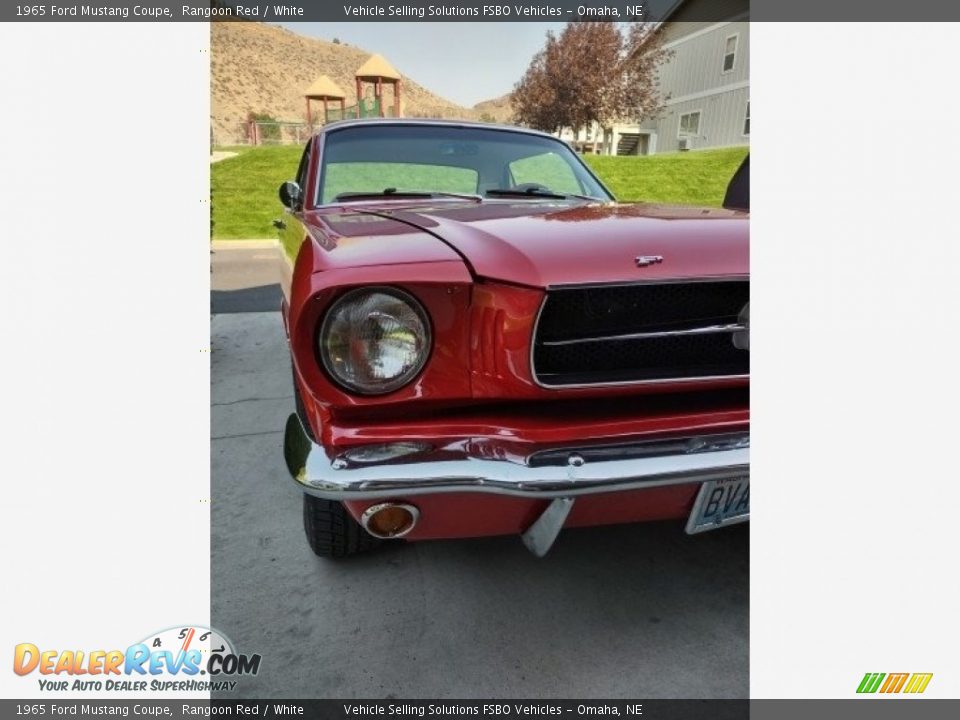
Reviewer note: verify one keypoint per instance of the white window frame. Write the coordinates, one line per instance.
(746, 119)
(736, 51)
(680, 116)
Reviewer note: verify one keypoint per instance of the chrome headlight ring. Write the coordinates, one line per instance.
(374, 340)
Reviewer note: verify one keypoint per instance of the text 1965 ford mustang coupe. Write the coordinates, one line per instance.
(484, 342)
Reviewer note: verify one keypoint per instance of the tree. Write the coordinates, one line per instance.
(591, 72)
(645, 55)
(535, 97)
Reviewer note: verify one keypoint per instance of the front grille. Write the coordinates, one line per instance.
(689, 329)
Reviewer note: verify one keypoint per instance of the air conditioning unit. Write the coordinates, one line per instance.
(686, 143)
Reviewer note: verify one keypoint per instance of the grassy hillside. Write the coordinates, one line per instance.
(262, 68)
(245, 187)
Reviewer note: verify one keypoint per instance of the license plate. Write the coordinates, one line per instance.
(720, 503)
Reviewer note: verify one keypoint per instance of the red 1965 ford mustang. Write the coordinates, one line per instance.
(484, 342)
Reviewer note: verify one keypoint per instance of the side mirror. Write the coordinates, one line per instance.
(290, 195)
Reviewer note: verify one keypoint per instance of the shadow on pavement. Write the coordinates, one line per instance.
(264, 298)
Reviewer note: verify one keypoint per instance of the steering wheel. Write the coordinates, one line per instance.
(526, 187)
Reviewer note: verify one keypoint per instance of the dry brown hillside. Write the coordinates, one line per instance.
(499, 109)
(265, 69)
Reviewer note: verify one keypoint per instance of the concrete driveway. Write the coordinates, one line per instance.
(636, 611)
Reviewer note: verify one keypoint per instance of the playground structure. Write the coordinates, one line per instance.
(378, 72)
(372, 79)
(325, 90)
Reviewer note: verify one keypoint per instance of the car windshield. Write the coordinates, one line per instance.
(403, 160)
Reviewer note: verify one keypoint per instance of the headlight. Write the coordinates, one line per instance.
(374, 340)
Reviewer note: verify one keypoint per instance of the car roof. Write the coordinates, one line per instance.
(340, 124)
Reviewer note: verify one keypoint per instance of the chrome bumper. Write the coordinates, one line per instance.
(474, 467)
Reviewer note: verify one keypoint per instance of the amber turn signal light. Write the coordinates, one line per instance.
(389, 520)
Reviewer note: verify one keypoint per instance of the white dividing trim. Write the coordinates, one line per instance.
(703, 31)
(730, 87)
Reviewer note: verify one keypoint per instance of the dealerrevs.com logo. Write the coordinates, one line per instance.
(181, 659)
(910, 683)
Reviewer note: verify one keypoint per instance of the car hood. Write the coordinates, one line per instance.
(541, 243)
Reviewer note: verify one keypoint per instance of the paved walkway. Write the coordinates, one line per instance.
(218, 155)
(246, 276)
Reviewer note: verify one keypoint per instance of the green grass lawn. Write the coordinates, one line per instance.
(239, 149)
(689, 178)
(245, 199)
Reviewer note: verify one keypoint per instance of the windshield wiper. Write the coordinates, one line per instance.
(392, 192)
(537, 193)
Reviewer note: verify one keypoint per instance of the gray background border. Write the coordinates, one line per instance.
(333, 10)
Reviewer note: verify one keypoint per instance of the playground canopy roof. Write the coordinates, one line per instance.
(377, 67)
(324, 87)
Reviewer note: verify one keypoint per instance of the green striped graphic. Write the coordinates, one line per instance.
(870, 682)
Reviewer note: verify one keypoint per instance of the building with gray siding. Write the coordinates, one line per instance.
(705, 84)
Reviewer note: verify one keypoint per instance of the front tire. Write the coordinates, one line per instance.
(331, 530)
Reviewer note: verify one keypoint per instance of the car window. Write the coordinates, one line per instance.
(375, 176)
(547, 169)
(456, 159)
(304, 165)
